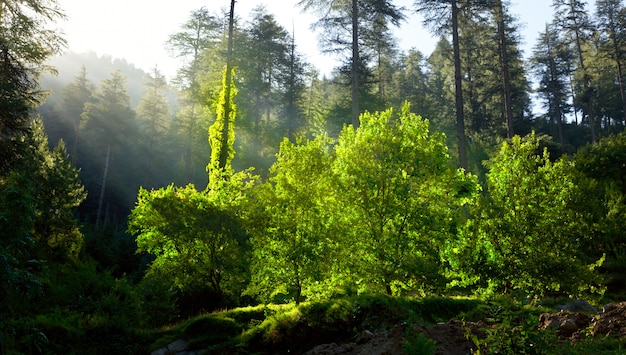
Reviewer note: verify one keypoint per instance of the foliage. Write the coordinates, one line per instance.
(286, 328)
(57, 191)
(78, 310)
(222, 133)
(197, 240)
(605, 163)
(420, 345)
(25, 45)
(526, 235)
(397, 197)
(288, 219)
(36, 219)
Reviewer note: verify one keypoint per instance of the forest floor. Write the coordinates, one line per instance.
(376, 327)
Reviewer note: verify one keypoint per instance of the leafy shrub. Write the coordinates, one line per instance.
(419, 345)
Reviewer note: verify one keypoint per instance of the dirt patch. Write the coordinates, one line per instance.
(575, 325)
(450, 339)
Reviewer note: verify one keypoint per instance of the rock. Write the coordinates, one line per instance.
(577, 306)
(609, 307)
(364, 337)
(178, 347)
(566, 323)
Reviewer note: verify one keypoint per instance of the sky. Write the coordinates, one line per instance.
(135, 30)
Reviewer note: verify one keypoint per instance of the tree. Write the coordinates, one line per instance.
(442, 91)
(222, 135)
(198, 242)
(342, 22)
(37, 202)
(605, 163)
(222, 132)
(527, 236)
(109, 124)
(500, 16)
(294, 91)
(397, 196)
(25, 45)
(57, 191)
(612, 26)
(74, 97)
(201, 34)
(153, 114)
(571, 17)
(290, 237)
(551, 63)
(436, 17)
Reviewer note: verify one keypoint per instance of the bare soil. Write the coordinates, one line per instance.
(452, 338)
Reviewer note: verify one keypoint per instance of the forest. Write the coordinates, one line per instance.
(251, 201)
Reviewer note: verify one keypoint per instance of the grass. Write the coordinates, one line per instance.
(287, 328)
(271, 329)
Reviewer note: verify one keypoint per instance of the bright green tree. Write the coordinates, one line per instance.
(222, 134)
(197, 242)
(289, 219)
(397, 199)
(527, 235)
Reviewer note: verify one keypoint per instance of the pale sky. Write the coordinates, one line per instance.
(136, 30)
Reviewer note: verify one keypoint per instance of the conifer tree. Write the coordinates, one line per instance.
(442, 16)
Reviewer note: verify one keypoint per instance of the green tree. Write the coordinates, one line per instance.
(153, 114)
(57, 191)
(37, 202)
(25, 44)
(290, 235)
(197, 39)
(501, 18)
(572, 19)
(342, 23)
(198, 241)
(398, 194)
(109, 124)
(551, 63)
(222, 135)
(527, 235)
(440, 82)
(610, 21)
(442, 16)
(74, 97)
(605, 163)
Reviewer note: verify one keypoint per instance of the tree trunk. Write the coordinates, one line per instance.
(620, 75)
(223, 158)
(460, 122)
(586, 88)
(103, 187)
(356, 61)
(506, 76)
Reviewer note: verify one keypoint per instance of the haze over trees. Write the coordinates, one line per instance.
(127, 202)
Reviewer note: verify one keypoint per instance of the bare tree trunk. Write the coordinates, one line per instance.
(506, 76)
(460, 121)
(586, 88)
(620, 75)
(103, 186)
(356, 61)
